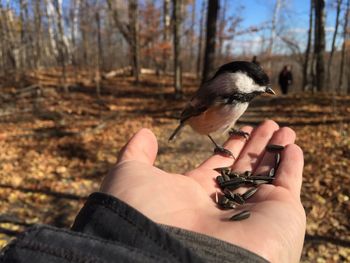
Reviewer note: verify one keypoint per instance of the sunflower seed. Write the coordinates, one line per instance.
(249, 193)
(220, 179)
(277, 160)
(274, 148)
(259, 182)
(240, 216)
(233, 184)
(229, 205)
(226, 177)
(239, 199)
(233, 175)
(229, 194)
(223, 170)
(261, 177)
(272, 172)
(247, 173)
(223, 200)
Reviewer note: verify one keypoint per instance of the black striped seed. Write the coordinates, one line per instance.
(247, 173)
(274, 148)
(272, 172)
(223, 170)
(259, 182)
(261, 177)
(219, 179)
(249, 193)
(233, 175)
(228, 205)
(277, 160)
(240, 216)
(226, 177)
(229, 194)
(239, 199)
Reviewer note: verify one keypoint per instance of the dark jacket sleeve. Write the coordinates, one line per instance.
(108, 230)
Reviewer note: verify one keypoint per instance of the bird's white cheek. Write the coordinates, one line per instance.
(217, 119)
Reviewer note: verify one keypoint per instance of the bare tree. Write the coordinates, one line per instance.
(51, 24)
(342, 60)
(130, 33)
(320, 43)
(276, 12)
(166, 26)
(62, 43)
(200, 41)
(308, 47)
(339, 3)
(74, 28)
(99, 55)
(177, 49)
(192, 31)
(38, 33)
(221, 33)
(10, 50)
(134, 35)
(212, 14)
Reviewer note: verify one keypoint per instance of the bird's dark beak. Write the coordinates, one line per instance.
(270, 91)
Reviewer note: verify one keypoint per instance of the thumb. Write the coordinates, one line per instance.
(141, 147)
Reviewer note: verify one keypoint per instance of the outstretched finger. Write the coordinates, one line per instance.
(234, 144)
(283, 137)
(252, 152)
(141, 147)
(290, 171)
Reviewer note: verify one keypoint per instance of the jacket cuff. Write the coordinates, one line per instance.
(109, 218)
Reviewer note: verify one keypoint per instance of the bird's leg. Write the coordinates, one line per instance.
(221, 150)
(235, 132)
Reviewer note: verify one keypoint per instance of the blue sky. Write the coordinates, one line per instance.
(295, 16)
(254, 12)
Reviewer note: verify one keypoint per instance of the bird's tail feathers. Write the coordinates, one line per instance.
(178, 128)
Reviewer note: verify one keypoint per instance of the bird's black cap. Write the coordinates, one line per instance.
(251, 69)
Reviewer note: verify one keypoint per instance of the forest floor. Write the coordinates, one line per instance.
(56, 147)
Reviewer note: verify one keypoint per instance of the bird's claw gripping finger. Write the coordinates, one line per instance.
(222, 151)
(234, 132)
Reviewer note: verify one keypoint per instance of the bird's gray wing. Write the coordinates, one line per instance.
(197, 106)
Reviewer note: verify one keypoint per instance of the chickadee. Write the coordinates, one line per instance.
(220, 101)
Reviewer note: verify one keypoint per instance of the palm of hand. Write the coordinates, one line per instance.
(276, 226)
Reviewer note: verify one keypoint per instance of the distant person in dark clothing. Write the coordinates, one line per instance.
(285, 79)
(255, 60)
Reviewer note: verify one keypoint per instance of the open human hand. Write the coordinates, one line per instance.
(276, 227)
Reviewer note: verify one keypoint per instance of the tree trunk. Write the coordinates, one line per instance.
(177, 52)
(62, 47)
(209, 57)
(134, 32)
(83, 28)
(308, 47)
(222, 24)
(23, 45)
(166, 37)
(10, 53)
(339, 3)
(320, 43)
(273, 35)
(38, 32)
(192, 34)
(74, 29)
(342, 60)
(50, 14)
(200, 42)
(99, 54)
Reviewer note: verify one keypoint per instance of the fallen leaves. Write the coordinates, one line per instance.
(56, 153)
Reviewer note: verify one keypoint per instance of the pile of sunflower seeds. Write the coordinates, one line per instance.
(229, 181)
